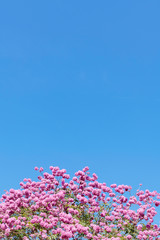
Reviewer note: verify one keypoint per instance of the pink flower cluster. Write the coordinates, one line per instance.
(56, 207)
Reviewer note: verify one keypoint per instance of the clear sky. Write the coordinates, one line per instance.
(80, 86)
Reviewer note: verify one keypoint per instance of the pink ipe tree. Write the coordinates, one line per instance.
(57, 207)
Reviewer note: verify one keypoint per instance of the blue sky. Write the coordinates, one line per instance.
(80, 86)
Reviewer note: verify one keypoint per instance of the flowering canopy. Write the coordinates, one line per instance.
(81, 208)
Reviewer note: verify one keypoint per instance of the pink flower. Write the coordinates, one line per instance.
(67, 208)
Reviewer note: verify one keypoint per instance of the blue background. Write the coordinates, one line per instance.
(80, 86)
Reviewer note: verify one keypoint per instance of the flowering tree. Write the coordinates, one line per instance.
(81, 208)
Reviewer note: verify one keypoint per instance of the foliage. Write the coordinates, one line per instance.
(81, 208)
